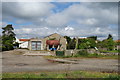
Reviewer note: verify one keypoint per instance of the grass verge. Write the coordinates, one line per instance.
(68, 74)
(86, 56)
(113, 51)
(94, 55)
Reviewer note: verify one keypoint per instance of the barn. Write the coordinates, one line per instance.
(51, 42)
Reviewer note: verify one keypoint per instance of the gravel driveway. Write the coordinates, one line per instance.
(12, 62)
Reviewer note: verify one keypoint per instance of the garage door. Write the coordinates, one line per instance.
(36, 45)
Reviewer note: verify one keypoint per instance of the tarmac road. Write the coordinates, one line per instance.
(12, 62)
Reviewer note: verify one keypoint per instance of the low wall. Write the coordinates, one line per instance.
(74, 52)
(69, 52)
(89, 51)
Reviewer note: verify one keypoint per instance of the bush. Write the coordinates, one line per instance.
(118, 50)
(83, 52)
(4, 48)
(94, 55)
(86, 43)
(107, 43)
(83, 46)
(112, 77)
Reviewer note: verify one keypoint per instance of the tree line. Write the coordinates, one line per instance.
(90, 42)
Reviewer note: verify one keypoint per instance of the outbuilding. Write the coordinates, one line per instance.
(53, 41)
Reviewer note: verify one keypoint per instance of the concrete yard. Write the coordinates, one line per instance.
(15, 61)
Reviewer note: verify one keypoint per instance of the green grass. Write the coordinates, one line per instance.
(94, 55)
(113, 51)
(66, 74)
(89, 56)
(86, 56)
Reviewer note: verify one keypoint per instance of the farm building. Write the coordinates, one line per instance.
(23, 43)
(53, 41)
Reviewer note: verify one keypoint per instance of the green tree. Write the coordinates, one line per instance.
(83, 46)
(68, 39)
(93, 37)
(72, 44)
(110, 36)
(86, 43)
(110, 44)
(107, 43)
(8, 37)
(92, 42)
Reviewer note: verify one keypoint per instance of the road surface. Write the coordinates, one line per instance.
(15, 61)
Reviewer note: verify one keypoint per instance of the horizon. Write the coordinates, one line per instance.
(61, 35)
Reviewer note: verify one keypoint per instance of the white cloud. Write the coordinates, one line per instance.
(85, 19)
(91, 21)
(26, 11)
(69, 28)
(23, 30)
(88, 14)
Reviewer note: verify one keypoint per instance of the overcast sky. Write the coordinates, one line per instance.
(82, 19)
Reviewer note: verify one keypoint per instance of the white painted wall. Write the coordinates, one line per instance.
(17, 40)
(24, 45)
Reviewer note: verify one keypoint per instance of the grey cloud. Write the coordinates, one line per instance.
(26, 11)
(97, 14)
(90, 18)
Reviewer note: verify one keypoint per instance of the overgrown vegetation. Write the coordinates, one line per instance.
(71, 43)
(105, 51)
(95, 55)
(91, 42)
(84, 54)
(109, 44)
(70, 74)
(86, 43)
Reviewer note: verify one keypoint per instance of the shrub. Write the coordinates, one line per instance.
(94, 55)
(83, 52)
(112, 77)
(118, 50)
(43, 74)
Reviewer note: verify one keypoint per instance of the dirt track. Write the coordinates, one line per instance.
(14, 61)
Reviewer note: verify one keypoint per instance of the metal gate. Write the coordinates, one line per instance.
(36, 45)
